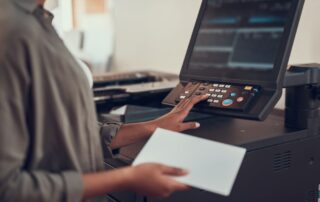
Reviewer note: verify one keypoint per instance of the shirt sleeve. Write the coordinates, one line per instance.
(108, 131)
(18, 180)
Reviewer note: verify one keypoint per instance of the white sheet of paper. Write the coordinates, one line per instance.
(120, 111)
(212, 166)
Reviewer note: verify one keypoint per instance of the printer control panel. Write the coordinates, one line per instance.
(221, 95)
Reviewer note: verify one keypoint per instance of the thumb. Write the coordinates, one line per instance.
(177, 186)
(189, 125)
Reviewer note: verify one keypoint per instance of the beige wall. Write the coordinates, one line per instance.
(154, 34)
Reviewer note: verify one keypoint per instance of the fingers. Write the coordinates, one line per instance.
(188, 105)
(172, 186)
(182, 103)
(188, 100)
(180, 187)
(189, 125)
(191, 100)
(194, 100)
(174, 171)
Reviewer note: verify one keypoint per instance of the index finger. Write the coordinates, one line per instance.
(194, 100)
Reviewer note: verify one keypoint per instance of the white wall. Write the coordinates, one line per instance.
(154, 34)
(98, 35)
(307, 44)
(62, 11)
(306, 47)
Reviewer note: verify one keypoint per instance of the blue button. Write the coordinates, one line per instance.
(227, 102)
(233, 94)
(256, 90)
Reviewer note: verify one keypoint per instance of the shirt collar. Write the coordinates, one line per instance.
(28, 5)
(33, 7)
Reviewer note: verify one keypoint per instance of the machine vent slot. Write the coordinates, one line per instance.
(282, 161)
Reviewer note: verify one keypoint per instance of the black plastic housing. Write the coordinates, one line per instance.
(302, 83)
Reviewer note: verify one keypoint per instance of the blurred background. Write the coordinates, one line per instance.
(125, 35)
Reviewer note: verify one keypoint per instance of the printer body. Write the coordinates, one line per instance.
(281, 164)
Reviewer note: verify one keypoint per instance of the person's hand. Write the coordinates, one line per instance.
(174, 120)
(154, 180)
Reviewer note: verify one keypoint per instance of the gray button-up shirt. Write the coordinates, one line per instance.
(49, 134)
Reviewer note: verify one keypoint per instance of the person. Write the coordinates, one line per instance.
(51, 147)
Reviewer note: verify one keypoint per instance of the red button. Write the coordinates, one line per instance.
(240, 99)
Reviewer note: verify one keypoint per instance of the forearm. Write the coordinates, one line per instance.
(97, 184)
(131, 133)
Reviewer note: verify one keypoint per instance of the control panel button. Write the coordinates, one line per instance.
(233, 94)
(182, 97)
(256, 90)
(248, 88)
(224, 91)
(227, 102)
(240, 99)
(210, 100)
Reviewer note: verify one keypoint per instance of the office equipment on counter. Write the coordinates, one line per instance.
(220, 160)
(238, 56)
(125, 88)
(282, 162)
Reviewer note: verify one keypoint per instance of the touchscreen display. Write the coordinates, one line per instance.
(242, 34)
